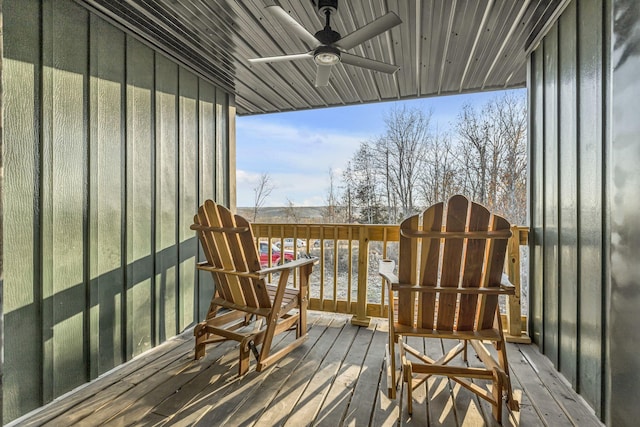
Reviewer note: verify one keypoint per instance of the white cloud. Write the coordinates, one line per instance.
(297, 159)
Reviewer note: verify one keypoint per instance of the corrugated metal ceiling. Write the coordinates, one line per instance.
(442, 46)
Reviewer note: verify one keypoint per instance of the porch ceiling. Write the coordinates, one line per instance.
(442, 46)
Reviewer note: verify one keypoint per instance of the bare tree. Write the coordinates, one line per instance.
(367, 182)
(484, 158)
(331, 211)
(492, 143)
(261, 191)
(440, 177)
(511, 116)
(348, 189)
(400, 154)
(474, 141)
(291, 213)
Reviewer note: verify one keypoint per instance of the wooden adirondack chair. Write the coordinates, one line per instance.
(242, 291)
(450, 274)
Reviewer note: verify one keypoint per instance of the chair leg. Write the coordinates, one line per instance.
(200, 331)
(303, 300)
(301, 329)
(391, 369)
(269, 333)
(501, 348)
(407, 373)
(504, 364)
(391, 351)
(497, 395)
(243, 363)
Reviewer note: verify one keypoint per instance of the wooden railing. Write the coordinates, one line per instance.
(346, 279)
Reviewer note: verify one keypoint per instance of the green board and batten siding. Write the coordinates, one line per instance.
(567, 74)
(108, 149)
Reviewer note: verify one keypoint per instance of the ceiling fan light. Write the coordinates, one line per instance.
(327, 58)
(326, 55)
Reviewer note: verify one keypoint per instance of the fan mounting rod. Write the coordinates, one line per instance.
(326, 7)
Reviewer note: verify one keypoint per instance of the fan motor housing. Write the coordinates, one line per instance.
(327, 36)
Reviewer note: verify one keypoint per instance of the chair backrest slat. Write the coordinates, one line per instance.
(451, 261)
(474, 260)
(207, 216)
(471, 256)
(407, 274)
(495, 269)
(429, 260)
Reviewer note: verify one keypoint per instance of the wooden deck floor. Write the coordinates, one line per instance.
(336, 378)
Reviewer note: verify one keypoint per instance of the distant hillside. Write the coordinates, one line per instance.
(305, 214)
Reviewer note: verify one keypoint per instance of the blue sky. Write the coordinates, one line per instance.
(297, 149)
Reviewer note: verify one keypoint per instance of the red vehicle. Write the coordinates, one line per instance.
(275, 255)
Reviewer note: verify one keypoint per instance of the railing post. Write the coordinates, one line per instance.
(361, 318)
(514, 308)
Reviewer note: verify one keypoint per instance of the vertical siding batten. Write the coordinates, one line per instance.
(590, 107)
(68, 200)
(604, 287)
(139, 167)
(550, 275)
(231, 152)
(166, 250)
(153, 158)
(536, 160)
(124, 310)
(106, 190)
(46, 220)
(567, 196)
(207, 178)
(221, 152)
(188, 195)
(622, 203)
(21, 190)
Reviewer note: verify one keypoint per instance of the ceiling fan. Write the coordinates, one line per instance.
(328, 46)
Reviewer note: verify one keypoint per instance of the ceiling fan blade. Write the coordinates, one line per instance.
(281, 58)
(372, 29)
(359, 61)
(322, 75)
(290, 23)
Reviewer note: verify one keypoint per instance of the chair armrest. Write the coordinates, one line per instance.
(287, 266)
(386, 271)
(260, 273)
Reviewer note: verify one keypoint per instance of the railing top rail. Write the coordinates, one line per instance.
(374, 232)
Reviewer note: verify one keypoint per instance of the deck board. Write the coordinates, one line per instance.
(336, 378)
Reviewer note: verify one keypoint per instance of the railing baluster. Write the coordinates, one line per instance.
(350, 267)
(322, 268)
(361, 318)
(335, 267)
(383, 283)
(514, 308)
